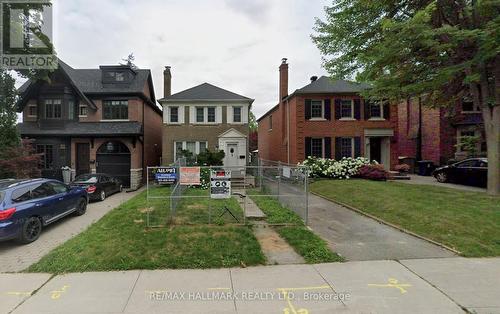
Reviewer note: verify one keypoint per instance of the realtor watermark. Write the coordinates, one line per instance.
(26, 35)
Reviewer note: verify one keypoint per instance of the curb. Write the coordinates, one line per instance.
(388, 223)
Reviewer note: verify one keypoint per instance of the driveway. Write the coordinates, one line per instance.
(415, 179)
(15, 257)
(359, 238)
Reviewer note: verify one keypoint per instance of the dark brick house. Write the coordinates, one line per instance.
(427, 133)
(94, 120)
(328, 119)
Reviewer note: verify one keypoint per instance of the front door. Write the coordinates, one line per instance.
(376, 149)
(82, 159)
(232, 155)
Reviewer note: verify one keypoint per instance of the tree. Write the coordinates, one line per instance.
(8, 113)
(129, 61)
(252, 123)
(20, 161)
(439, 50)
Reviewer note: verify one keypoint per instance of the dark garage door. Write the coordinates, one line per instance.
(113, 158)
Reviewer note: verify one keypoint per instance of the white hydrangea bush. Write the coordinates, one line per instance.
(334, 169)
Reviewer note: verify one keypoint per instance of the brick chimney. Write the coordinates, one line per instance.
(283, 79)
(167, 82)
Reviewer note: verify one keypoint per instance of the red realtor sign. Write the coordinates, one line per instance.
(190, 176)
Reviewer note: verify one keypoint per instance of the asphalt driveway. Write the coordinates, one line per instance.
(415, 179)
(15, 257)
(359, 238)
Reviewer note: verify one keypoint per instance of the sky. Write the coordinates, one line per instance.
(234, 44)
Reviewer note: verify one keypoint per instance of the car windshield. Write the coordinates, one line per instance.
(86, 178)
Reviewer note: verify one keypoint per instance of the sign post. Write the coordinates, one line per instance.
(220, 184)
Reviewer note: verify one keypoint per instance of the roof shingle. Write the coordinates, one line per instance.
(206, 92)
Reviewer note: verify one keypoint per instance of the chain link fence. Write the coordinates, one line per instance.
(182, 204)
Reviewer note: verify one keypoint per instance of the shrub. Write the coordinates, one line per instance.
(373, 172)
(330, 168)
(20, 162)
(209, 158)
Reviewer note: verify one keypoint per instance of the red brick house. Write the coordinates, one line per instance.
(433, 133)
(94, 120)
(328, 119)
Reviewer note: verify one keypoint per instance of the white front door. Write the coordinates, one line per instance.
(232, 155)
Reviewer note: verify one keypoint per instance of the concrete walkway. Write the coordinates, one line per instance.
(15, 257)
(416, 286)
(274, 247)
(359, 238)
(415, 179)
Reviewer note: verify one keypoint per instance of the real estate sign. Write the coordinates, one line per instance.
(190, 176)
(166, 175)
(220, 184)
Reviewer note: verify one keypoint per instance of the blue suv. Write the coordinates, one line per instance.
(26, 206)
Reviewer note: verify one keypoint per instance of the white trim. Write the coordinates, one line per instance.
(184, 146)
(192, 114)
(351, 118)
(244, 114)
(115, 120)
(30, 106)
(381, 106)
(322, 117)
(353, 144)
(322, 146)
(347, 119)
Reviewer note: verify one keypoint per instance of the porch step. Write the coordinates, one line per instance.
(394, 175)
(242, 182)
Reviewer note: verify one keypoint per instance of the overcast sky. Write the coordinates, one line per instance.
(234, 44)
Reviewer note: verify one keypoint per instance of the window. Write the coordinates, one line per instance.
(82, 111)
(32, 111)
(317, 109)
(200, 114)
(63, 153)
(71, 109)
(53, 109)
(174, 114)
(21, 195)
(58, 187)
(468, 105)
(237, 114)
(211, 114)
(178, 148)
(270, 122)
(346, 147)
(346, 109)
(42, 190)
(376, 111)
(202, 147)
(47, 156)
(317, 147)
(115, 110)
(115, 76)
(192, 146)
(468, 164)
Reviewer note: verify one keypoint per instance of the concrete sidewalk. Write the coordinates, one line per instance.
(415, 286)
(15, 257)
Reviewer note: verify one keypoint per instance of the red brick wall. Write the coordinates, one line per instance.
(152, 136)
(134, 111)
(270, 140)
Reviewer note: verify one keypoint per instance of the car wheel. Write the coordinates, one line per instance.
(31, 230)
(81, 207)
(442, 177)
(102, 195)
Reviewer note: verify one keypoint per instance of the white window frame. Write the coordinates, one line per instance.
(244, 114)
(352, 147)
(322, 116)
(170, 114)
(381, 106)
(180, 114)
(241, 114)
(322, 146)
(30, 115)
(184, 146)
(79, 110)
(351, 118)
(193, 114)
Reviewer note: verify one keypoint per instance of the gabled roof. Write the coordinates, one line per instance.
(206, 92)
(83, 129)
(232, 133)
(326, 85)
(88, 82)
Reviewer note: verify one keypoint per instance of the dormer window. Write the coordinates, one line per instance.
(117, 74)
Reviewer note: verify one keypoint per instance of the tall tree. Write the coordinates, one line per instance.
(440, 50)
(8, 113)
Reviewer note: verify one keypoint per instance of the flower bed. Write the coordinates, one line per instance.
(330, 168)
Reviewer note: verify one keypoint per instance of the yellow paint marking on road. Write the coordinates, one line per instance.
(304, 288)
(392, 283)
(55, 295)
(291, 308)
(24, 294)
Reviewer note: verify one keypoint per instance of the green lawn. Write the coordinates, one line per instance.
(304, 241)
(121, 241)
(466, 221)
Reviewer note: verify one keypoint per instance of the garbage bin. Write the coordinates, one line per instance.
(425, 167)
(66, 173)
(410, 161)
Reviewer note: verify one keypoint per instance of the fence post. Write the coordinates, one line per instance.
(147, 197)
(261, 174)
(306, 183)
(279, 180)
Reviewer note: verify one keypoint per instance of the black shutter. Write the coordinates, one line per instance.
(328, 147)
(308, 147)
(337, 109)
(328, 109)
(387, 111)
(357, 147)
(367, 110)
(308, 109)
(338, 145)
(357, 109)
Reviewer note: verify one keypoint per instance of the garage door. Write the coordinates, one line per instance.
(113, 158)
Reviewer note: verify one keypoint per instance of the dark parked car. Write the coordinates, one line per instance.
(26, 206)
(98, 185)
(472, 171)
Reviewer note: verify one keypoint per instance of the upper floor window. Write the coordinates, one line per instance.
(82, 111)
(32, 111)
(237, 114)
(200, 114)
(468, 106)
(116, 76)
(211, 114)
(376, 111)
(115, 110)
(205, 114)
(347, 109)
(174, 114)
(71, 109)
(317, 109)
(53, 109)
